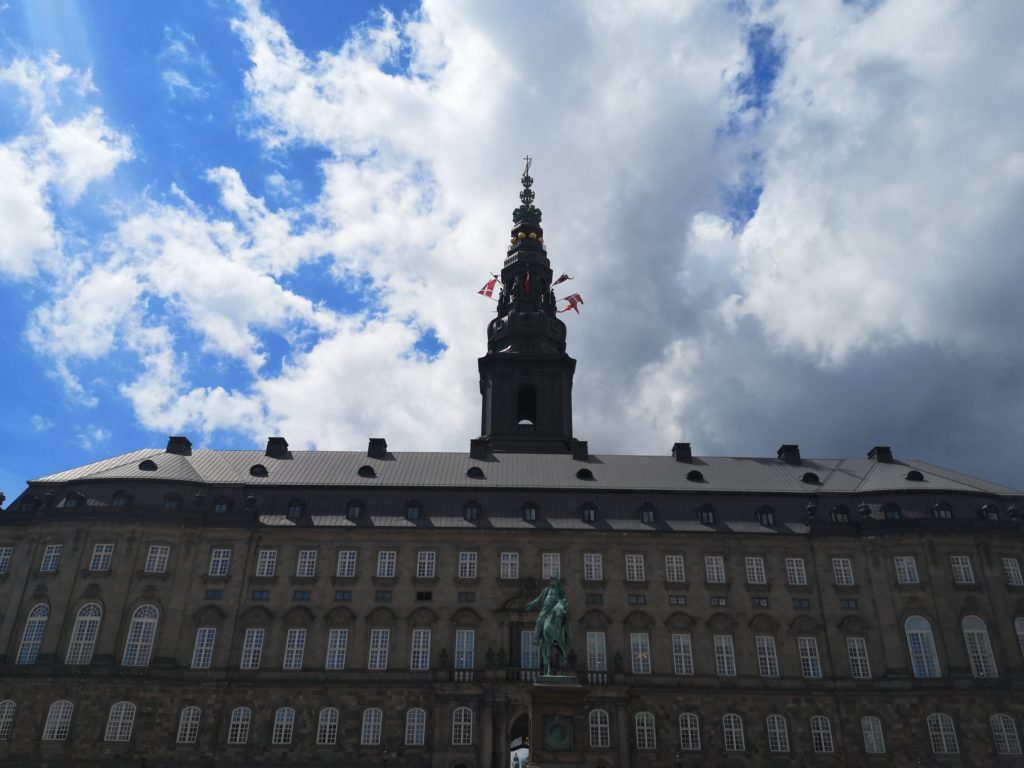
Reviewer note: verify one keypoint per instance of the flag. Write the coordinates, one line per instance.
(527, 285)
(488, 289)
(575, 302)
(561, 279)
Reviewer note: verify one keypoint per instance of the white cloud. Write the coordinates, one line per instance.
(187, 72)
(41, 423)
(92, 437)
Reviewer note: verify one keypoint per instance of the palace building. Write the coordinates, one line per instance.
(180, 607)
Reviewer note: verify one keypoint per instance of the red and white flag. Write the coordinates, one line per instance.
(561, 279)
(488, 289)
(575, 302)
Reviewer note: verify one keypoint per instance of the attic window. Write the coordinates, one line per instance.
(29, 504)
(471, 512)
(475, 472)
(354, 510)
(584, 474)
(296, 509)
(766, 517)
(367, 471)
(892, 511)
(588, 512)
(706, 515)
(147, 465)
(258, 470)
(989, 512)
(840, 514)
(73, 499)
(810, 477)
(120, 499)
(413, 510)
(172, 501)
(647, 514)
(914, 475)
(530, 512)
(221, 506)
(695, 476)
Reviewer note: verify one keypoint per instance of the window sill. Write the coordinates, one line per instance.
(635, 584)
(344, 580)
(716, 585)
(759, 588)
(88, 574)
(162, 576)
(385, 581)
(210, 579)
(801, 589)
(304, 579)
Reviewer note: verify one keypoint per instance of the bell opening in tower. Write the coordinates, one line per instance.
(526, 409)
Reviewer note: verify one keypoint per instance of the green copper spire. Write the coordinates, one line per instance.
(527, 212)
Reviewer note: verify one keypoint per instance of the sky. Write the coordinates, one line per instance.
(790, 222)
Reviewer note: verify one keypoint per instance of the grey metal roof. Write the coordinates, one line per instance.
(529, 470)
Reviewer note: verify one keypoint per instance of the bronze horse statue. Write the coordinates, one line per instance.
(553, 628)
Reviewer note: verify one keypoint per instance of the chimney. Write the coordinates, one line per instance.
(378, 448)
(277, 447)
(789, 454)
(881, 453)
(478, 448)
(681, 452)
(579, 450)
(180, 445)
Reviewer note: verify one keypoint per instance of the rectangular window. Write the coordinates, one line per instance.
(337, 648)
(801, 603)
(638, 599)
(301, 594)
(759, 602)
(379, 639)
(593, 567)
(675, 568)
(467, 597)
(346, 564)
(1011, 568)
(465, 640)
(382, 596)
(595, 598)
(156, 558)
(419, 655)
(294, 649)
(102, 554)
(202, 651)
(425, 597)
(810, 664)
(467, 565)
(717, 601)
(426, 564)
(343, 595)
(714, 569)
(386, 561)
(214, 594)
(597, 654)
(261, 594)
(266, 563)
(220, 561)
(5, 559)
(767, 658)
(906, 570)
(725, 657)
(635, 568)
(963, 572)
(529, 653)
(857, 650)
(755, 571)
(796, 572)
(677, 599)
(509, 565)
(51, 558)
(305, 566)
(849, 604)
(682, 655)
(842, 571)
(640, 652)
(551, 565)
(252, 649)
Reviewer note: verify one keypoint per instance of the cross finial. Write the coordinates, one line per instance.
(529, 162)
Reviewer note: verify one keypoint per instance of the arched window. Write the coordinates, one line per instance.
(892, 511)
(923, 658)
(138, 648)
(821, 734)
(648, 513)
(979, 649)
(413, 510)
(1018, 628)
(83, 636)
(643, 729)
(120, 722)
(296, 508)
(840, 514)
(462, 727)
(689, 732)
(766, 517)
(58, 721)
(732, 732)
(188, 725)
(32, 637)
(1004, 734)
(874, 741)
(238, 730)
(943, 734)
(600, 731)
(222, 506)
(284, 726)
(706, 515)
(778, 733)
(327, 726)
(415, 727)
(588, 513)
(172, 501)
(7, 710)
(370, 733)
(530, 512)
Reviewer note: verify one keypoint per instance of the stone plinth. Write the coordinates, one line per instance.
(557, 731)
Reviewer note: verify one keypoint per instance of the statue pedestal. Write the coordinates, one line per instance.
(557, 728)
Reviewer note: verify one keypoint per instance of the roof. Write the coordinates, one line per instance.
(532, 470)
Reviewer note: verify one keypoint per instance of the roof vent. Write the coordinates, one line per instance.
(584, 474)
(378, 448)
(277, 447)
(367, 471)
(478, 448)
(258, 470)
(475, 472)
(810, 477)
(695, 476)
(789, 454)
(579, 450)
(148, 465)
(180, 445)
(914, 475)
(881, 453)
(681, 452)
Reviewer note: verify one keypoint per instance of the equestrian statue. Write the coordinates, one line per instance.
(552, 630)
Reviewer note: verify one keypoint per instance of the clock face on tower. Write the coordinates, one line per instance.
(558, 734)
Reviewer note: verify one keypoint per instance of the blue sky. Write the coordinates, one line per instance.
(232, 219)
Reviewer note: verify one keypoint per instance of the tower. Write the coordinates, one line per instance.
(526, 375)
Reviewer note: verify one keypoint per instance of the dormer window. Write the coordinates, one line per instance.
(942, 511)
(119, 500)
(29, 504)
(471, 512)
(530, 512)
(647, 514)
(221, 506)
(354, 510)
(475, 472)
(588, 513)
(914, 476)
(695, 476)
(810, 478)
(74, 499)
(367, 471)
(706, 515)
(766, 517)
(172, 502)
(989, 512)
(296, 509)
(413, 510)
(584, 474)
(892, 511)
(147, 466)
(840, 514)
(258, 470)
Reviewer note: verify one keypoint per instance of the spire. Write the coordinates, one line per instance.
(527, 212)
